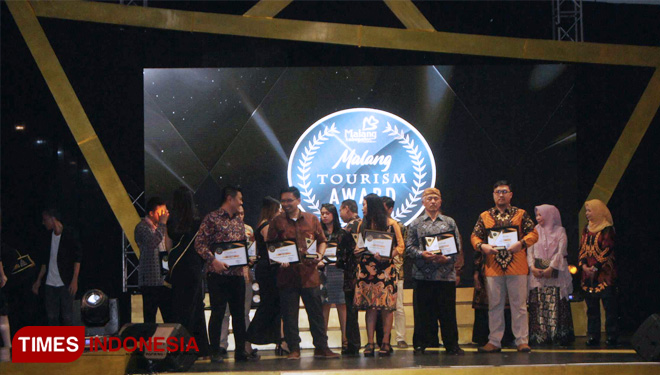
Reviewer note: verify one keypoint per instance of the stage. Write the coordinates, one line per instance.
(576, 359)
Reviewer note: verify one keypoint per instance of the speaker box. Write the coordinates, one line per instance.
(151, 361)
(646, 340)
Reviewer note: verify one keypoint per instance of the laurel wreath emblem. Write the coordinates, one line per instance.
(418, 166)
(306, 160)
(307, 156)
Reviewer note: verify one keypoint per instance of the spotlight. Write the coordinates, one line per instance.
(572, 269)
(256, 299)
(95, 308)
(40, 141)
(255, 287)
(19, 127)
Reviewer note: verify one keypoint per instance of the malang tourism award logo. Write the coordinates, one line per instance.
(355, 152)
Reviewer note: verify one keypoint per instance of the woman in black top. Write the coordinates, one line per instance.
(266, 326)
(185, 266)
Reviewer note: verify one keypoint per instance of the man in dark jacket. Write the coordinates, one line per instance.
(61, 269)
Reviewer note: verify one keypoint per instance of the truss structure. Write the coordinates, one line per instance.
(567, 20)
(130, 258)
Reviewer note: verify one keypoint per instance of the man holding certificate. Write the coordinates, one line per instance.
(221, 243)
(434, 244)
(503, 235)
(302, 231)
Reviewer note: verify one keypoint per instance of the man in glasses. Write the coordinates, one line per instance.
(300, 280)
(506, 265)
(436, 277)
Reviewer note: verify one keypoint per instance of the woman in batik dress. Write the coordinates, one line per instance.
(376, 276)
(596, 259)
(550, 283)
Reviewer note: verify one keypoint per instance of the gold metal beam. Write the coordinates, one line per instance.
(75, 117)
(411, 40)
(625, 147)
(354, 35)
(409, 15)
(267, 8)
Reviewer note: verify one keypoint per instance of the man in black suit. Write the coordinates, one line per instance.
(61, 269)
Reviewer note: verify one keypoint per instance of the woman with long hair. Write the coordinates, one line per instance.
(185, 266)
(266, 326)
(549, 282)
(596, 258)
(332, 278)
(376, 287)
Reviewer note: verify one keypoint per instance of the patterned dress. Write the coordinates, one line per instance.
(376, 281)
(550, 318)
(597, 249)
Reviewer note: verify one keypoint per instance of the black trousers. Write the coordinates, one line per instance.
(611, 306)
(59, 305)
(290, 305)
(154, 298)
(431, 340)
(225, 290)
(436, 301)
(352, 324)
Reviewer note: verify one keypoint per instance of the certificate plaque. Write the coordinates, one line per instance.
(377, 242)
(283, 252)
(310, 253)
(331, 252)
(444, 243)
(233, 253)
(252, 250)
(502, 237)
(164, 262)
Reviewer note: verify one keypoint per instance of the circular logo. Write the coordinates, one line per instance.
(355, 152)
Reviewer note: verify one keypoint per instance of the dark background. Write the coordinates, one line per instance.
(105, 66)
(208, 127)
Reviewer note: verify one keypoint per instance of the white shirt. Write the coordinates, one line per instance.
(53, 278)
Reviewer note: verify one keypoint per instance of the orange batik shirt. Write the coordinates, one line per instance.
(512, 216)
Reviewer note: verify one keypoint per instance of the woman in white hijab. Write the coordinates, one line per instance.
(550, 283)
(596, 259)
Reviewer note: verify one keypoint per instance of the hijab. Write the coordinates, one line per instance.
(600, 216)
(550, 232)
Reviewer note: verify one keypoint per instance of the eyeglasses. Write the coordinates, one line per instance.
(288, 200)
(503, 192)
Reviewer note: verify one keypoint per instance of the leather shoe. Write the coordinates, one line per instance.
(611, 341)
(350, 353)
(244, 357)
(325, 353)
(524, 348)
(216, 358)
(293, 354)
(592, 341)
(419, 350)
(402, 344)
(489, 348)
(454, 351)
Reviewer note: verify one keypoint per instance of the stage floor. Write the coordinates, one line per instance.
(576, 359)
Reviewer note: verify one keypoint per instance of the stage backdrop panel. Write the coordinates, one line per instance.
(460, 128)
